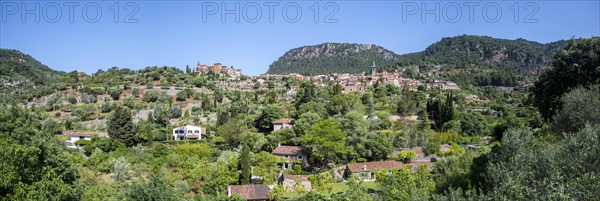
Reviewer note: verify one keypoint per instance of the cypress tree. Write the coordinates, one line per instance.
(245, 175)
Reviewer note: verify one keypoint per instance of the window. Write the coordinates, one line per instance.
(190, 131)
(81, 137)
(286, 156)
(197, 131)
(300, 157)
(389, 172)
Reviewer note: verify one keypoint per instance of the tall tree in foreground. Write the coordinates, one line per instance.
(577, 65)
(120, 126)
(34, 165)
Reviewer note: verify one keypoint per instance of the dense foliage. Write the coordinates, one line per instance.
(577, 65)
(329, 58)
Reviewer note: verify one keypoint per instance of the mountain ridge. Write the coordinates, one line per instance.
(520, 55)
(20, 73)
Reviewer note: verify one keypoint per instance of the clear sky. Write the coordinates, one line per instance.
(75, 36)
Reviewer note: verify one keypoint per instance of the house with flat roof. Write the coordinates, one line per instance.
(74, 136)
(189, 132)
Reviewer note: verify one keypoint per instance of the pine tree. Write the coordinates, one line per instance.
(120, 126)
(245, 175)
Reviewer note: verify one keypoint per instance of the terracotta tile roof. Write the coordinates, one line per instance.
(374, 166)
(289, 150)
(78, 133)
(250, 191)
(284, 121)
(293, 177)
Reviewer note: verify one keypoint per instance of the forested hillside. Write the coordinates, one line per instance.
(23, 76)
(518, 56)
(331, 58)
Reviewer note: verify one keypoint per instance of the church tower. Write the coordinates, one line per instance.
(373, 68)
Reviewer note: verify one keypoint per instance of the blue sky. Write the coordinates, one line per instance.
(180, 33)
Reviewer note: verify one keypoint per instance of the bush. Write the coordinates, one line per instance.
(150, 96)
(407, 155)
(181, 96)
(87, 98)
(432, 147)
(105, 107)
(72, 99)
(83, 142)
(115, 93)
(175, 112)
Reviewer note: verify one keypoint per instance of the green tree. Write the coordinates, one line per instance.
(581, 106)
(120, 169)
(161, 114)
(245, 169)
(120, 126)
(269, 114)
(356, 190)
(379, 145)
(315, 107)
(474, 124)
(524, 167)
(265, 165)
(305, 122)
(402, 185)
(575, 66)
(327, 142)
(343, 103)
(305, 94)
(277, 193)
(232, 130)
(34, 165)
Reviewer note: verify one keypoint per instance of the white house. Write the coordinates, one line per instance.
(189, 132)
(74, 136)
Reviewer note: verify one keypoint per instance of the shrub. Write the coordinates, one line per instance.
(175, 112)
(115, 93)
(87, 98)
